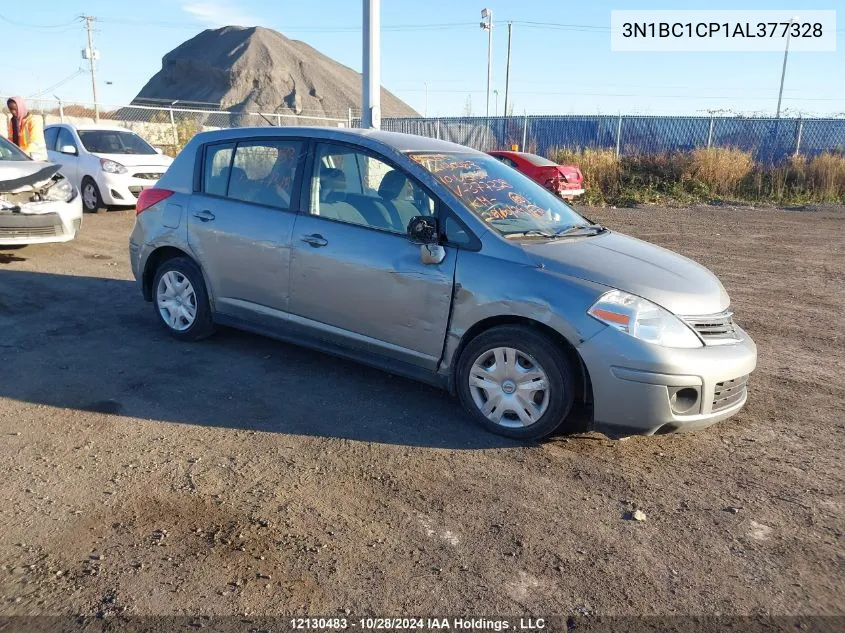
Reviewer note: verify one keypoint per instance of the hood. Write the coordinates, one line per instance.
(139, 160)
(22, 109)
(15, 175)
(670, 280)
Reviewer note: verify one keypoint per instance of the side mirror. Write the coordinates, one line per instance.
(68, 149)
(432, 253)
(422, 229)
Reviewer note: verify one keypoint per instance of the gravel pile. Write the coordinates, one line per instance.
(260, 69)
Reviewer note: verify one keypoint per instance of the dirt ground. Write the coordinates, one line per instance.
(245, 476)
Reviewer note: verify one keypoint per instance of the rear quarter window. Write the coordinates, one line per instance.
(218, 158)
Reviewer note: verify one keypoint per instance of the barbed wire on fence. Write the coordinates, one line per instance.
(769, 139)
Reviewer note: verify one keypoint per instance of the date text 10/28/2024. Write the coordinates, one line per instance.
(424, 624)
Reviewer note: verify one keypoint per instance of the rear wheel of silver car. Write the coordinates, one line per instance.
(516, 382)
(181, 301)
(92, 201)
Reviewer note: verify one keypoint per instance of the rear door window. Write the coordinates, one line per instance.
(265, 172)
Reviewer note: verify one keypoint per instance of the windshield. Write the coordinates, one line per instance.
(10, 151)
(114, 142)
(505, 199)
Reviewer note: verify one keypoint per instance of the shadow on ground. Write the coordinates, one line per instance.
(93, 344)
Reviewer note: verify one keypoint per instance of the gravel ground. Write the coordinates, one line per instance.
(241, 475)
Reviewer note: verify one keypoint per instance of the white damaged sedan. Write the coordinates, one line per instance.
(37, 203)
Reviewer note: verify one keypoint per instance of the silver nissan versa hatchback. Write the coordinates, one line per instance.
(438, 262)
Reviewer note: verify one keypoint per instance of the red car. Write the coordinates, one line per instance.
(565, 181)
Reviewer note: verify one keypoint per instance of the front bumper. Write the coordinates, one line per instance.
(41, 222)
(123, 189)
(633, 383)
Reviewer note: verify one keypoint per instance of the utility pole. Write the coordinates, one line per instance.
(487, 25)
(508, 68)
(91, 55)
(371, 115)
(783, 71)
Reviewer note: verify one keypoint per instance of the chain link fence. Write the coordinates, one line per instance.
(769, 140)
(167, 127)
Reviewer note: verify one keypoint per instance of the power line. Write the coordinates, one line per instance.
(27, 25)
(620, 94)
(57, 84)
(311, 28)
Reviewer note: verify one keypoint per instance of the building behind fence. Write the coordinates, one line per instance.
(768, 139)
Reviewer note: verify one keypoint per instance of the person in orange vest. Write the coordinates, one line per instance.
(25, 130)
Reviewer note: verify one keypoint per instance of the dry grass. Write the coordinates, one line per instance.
(706, 174)
(720, 169)
(826, 175)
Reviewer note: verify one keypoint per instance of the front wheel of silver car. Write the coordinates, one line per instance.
(180, 300)
(516, 382)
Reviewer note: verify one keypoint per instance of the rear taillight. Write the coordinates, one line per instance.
(149, 197)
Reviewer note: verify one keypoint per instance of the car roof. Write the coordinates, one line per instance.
(91, 126)
(394, 140)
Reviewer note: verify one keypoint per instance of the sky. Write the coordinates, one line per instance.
(434, 54)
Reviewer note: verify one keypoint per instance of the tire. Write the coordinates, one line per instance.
(92, 201)
(174, 307)
(542, 411)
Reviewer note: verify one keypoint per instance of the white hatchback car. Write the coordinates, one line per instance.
(110, 165)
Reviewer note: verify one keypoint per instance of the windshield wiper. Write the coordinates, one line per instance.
(530, 233)
(578, 228)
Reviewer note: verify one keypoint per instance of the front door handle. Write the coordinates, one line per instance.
(204, 216)
(316, 240)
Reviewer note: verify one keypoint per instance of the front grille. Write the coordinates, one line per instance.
(21, 225)
(714, 329)
(148, 176)
(729, 392)
(9, 232)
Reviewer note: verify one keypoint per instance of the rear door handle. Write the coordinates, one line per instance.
(316, 240)
(204, 216)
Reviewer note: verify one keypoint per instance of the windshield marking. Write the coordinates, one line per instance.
(498, 195)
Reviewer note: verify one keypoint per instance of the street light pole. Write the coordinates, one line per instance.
(487, 25)
(371, 114)
(496, 103)
(508, 69)
(783, 71)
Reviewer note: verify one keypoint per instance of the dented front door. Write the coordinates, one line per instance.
(368, 289)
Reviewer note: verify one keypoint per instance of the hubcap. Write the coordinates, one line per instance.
(89, 196)
(509, 387)
(176, 301)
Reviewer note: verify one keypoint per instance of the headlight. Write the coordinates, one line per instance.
(643, 319)
(112, 167)
(60, 191)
